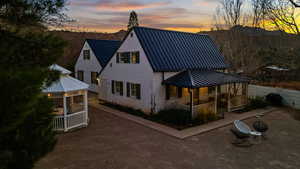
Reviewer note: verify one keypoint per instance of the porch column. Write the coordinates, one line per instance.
(228, 91)
(191, 101)
(86, 106)
(216, 100)
(65, 112)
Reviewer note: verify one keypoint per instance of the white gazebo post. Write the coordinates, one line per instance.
(86, 106)
(65, 112)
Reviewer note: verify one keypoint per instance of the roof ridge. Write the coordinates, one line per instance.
(166, 30)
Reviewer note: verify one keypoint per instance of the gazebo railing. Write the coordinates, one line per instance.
(76, 120)
(72, 121)
(58, 123)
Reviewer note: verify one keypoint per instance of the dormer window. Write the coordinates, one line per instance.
(86, 54)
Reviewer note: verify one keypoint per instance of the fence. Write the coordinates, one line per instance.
(290, 97)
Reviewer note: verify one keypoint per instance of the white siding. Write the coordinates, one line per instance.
(135, 73)
(88, 66)
(159, 101)
(290, 97)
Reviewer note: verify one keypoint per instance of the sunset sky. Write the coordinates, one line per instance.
(113, 15)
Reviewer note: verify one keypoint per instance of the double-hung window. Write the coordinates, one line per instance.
(86, 54)
(94, 78)
(80, 75)
(117, 87)
(128, 57)
(135, 57)
(133, 90)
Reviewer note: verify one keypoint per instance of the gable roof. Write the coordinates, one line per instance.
(103, 49)
(170, 51)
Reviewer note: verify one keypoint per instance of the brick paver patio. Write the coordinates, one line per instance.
(111, 142)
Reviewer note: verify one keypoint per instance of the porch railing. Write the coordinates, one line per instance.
(72, 121)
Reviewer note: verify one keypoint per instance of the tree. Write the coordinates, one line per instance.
(27, 49)
(133, 20)
(259, 12)
(231, 12)
(295, 3)
(283, 16)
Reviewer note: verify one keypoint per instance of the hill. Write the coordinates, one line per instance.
(245, 48)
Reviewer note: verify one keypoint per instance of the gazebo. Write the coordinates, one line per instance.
(70, 97)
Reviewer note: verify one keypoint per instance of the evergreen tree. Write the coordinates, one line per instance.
(27, 49)
(133, 20)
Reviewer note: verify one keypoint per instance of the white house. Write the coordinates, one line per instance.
(157, 69)
(93, 56)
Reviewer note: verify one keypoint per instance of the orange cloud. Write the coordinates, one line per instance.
(126, 6)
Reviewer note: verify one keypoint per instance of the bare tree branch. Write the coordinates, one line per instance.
(296, 4)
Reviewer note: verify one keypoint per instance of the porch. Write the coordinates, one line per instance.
(206, 92)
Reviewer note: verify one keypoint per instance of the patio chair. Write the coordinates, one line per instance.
(243, 133)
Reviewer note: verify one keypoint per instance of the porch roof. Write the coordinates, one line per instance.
(203, 78)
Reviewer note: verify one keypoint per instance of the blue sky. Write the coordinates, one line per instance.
(113, 15)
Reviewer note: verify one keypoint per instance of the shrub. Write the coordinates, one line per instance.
(274, 99)
(175, 116)
(129, 110)
(257, 102)
(203, 118)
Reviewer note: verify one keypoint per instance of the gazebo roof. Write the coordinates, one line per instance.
(61, 69)
(65, 83)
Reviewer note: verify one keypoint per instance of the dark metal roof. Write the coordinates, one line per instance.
(198, 78)
(173, 51)
(103, 49)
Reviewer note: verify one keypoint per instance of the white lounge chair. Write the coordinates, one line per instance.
(245, 129)
(243, 133)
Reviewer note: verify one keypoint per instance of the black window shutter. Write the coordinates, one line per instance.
(113, 87)
(118, 57)
(179, 92)
(128, 89)
(138, 91)
(167, 92)
(121, 87)
(137, 57)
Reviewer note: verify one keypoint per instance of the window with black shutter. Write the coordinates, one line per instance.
(118, 86)
(80, 75)
(125, 57)
(121, 88)
(118, 58)
(94, 78)
(86, 54)
(113, 87)
(135, 57)
(128, 89)
(138, 91)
